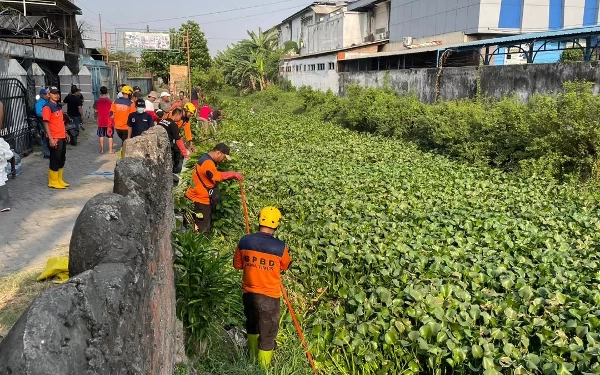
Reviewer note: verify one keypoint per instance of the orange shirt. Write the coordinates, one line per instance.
(262, 258)
(207, 170)
(185, 124)
(53, 114)
(120, 110)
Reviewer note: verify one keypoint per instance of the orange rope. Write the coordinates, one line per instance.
(245, 207)
(283, 291)
(293, 314)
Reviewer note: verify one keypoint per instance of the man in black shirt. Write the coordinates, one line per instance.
(140, 120)
(178, 150)
(74, 102)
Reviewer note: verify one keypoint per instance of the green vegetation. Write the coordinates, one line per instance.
(252, 64)
(552, 136)
(571, 55)
(406, 262)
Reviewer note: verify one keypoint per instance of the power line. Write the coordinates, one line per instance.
(210, 13)
(94, 12)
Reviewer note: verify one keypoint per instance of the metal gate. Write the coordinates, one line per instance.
(16, 100)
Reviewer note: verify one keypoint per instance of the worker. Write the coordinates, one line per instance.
(178, 150)
(140, 120)
(120, 110)
(204, 117)
(262, 258)
(184, 122)
(56, 132)
(204, 193)
(189, 110)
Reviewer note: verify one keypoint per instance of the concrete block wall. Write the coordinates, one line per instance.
(496, 81)
(116, 315)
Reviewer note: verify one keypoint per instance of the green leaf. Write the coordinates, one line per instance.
(477, 351)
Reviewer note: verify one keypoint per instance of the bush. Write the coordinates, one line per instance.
(204, 284)
(555, 136)
(571, 55)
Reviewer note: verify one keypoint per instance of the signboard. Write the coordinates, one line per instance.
(143, 40)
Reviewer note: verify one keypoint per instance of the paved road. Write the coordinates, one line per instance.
(41, 220)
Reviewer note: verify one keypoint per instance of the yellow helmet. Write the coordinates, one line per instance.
(127, 90)
(269, 217)
(190, 108)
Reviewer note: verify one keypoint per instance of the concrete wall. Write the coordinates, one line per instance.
(496, 81)
(116, 315)
(323, 80)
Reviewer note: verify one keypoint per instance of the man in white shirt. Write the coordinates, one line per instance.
(150, 101)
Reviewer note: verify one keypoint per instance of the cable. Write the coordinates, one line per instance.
(207, 14)
(94, 12)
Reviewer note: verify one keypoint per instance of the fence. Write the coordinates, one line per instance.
(16, 101)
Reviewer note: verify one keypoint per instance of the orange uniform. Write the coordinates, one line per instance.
(262, 258)
(185, 124)
(53, 114)
(119, 112)
(206, 169)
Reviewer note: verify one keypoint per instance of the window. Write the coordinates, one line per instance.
(312, 67)
(331, 66)
(320, 66)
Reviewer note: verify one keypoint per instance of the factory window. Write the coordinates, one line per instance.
(320, 66)
(312, 67)
(331, 66)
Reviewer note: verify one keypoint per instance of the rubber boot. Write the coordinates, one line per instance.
(60, 178)
(253, 346)
(53, 180)
(264, 358)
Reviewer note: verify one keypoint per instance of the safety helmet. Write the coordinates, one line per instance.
(127, 90)
(190, 107)
(269, 217)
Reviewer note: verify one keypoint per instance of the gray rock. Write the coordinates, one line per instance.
(116, 315)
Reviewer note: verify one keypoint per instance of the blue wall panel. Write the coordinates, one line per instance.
(557, 8)
(590, 12)
(511, 13)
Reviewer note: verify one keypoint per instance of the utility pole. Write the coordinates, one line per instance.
(100, 23)
(107, 54)
(187, 37)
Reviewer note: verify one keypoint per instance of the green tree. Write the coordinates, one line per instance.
(159, 62)
(252, 63)
(128, 61)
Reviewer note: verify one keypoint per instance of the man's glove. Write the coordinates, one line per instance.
(182, 148)
(232, 175)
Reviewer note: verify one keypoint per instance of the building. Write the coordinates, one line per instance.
(409, 34)
(320, 31)
(46, 33)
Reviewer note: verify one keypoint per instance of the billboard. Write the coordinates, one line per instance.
(144, 40)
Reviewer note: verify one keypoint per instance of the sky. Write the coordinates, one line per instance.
(221, 29)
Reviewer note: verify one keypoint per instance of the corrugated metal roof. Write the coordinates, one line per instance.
(362, 4)
(579, 31)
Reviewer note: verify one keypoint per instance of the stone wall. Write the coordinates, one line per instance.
(116, 315)
(495, 81)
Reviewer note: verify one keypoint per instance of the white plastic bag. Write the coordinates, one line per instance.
(5, 155)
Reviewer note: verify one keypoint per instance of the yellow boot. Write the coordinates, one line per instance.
(53, 180)
(253, 346)
(264, 358)
(60, 178)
